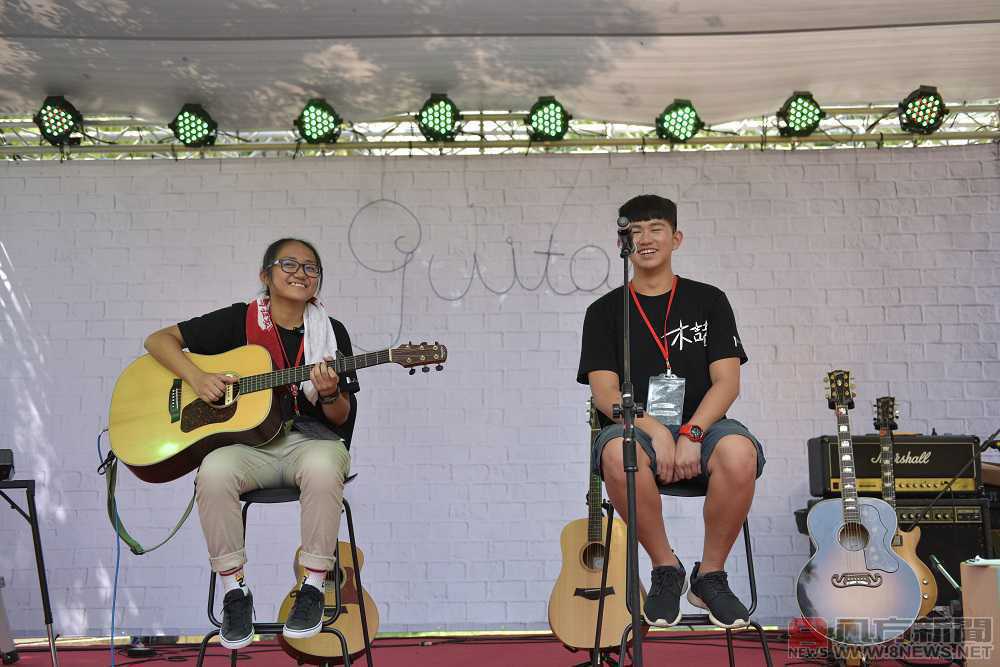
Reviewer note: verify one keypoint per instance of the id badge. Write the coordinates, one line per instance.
(665, 400)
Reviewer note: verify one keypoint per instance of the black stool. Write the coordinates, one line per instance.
(287, 495)
(695, 489)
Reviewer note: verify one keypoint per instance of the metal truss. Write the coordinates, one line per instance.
(498, 133)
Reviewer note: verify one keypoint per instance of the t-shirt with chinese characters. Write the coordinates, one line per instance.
(701, 330)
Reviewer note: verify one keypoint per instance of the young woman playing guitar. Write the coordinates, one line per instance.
(311, 452)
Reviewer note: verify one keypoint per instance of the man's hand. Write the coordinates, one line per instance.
(664, 446)
(211, 387)
(687, 459)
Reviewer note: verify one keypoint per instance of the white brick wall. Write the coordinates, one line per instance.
(887, 263)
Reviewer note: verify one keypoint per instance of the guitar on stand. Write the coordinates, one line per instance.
(575, 599)
(905, 541)
(855, 590)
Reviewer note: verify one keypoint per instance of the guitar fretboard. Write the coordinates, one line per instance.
(848, 482)
(297, 374)
(888, 480)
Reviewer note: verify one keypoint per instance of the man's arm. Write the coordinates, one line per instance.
(605, 388)
(725, 376)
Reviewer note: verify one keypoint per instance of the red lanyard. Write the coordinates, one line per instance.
(664, 347)
(294, 389)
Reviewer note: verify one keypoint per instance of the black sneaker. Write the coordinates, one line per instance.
(306, 618)
(237, 619)
(712, 592)
(663, 603)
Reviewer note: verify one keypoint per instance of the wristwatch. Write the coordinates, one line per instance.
(692, 432)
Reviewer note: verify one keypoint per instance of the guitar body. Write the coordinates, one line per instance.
(574, 599)
(325, 647)
(906, 548)
(161, 430)
(855, 590)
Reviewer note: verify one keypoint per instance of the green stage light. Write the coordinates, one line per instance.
(318, 123)
(800, 115)
(57, 119)
(922, 111)
(547, 120)
(193, 126)
(678, 122)
(438, 118)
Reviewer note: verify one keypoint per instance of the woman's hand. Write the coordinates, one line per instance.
(325, 379)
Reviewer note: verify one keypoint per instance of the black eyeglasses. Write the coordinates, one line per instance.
(289, 265)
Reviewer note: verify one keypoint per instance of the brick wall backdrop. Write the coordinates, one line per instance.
(886, 263)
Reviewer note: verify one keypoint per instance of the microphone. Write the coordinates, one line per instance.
(625, 236)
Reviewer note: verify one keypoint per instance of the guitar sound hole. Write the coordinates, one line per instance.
(853, 536)
(593, 556)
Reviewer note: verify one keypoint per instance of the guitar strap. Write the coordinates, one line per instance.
(109, 468)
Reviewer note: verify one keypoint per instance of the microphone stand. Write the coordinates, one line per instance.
(628, 411)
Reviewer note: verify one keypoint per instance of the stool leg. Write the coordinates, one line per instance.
(204, 647)
(763, 642)
(357, 584)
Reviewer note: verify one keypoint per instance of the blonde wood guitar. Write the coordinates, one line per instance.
(161, 430)
(574, 600)
(906, 541)
(325, 648)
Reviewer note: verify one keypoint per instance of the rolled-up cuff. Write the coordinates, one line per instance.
(228, 561)
(314, 562)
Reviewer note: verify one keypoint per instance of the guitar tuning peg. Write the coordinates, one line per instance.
(413, 371)
(426, 369)
(439, 367)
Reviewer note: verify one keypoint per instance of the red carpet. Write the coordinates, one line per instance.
(678, 648)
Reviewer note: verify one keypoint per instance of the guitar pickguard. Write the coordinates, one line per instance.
(877, 556)
(199, 413)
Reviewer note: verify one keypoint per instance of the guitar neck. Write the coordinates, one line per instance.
(594, 510)
(888, 479)
(848, 483)
(297, 374)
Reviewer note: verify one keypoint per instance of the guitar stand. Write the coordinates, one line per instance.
(605, 656)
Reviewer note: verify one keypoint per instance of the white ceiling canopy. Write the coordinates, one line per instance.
(254, 63)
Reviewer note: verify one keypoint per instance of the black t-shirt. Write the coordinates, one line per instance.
(702, 329)
(225, 329)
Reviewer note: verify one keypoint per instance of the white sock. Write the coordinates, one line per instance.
(233, 580)
(316, 579)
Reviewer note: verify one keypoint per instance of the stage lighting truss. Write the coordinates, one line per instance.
(547, 120)
(923, 111)
(438, 119)
(678, 122)
(500, 132)
(193, 127)
(799, 116)
(57, 119)
(318, 123)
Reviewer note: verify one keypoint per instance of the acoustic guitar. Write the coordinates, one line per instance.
(854, 590)
(574, 599)
(905, 541)
(161, 430)
(325, 647)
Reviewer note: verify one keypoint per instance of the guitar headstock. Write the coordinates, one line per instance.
(423, 354)
(886, 414)
(839, 389)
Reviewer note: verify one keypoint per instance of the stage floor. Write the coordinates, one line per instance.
(486, 650)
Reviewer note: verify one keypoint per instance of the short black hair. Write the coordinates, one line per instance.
(649, 207)
(271, 254)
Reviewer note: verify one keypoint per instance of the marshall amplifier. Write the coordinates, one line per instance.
(924, 464)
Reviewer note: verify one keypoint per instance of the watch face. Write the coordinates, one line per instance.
(697, 432)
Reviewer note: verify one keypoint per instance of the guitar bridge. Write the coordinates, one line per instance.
(851, 579)
(593, 593)
(174, 401)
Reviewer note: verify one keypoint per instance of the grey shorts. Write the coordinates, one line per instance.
(715, 432)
